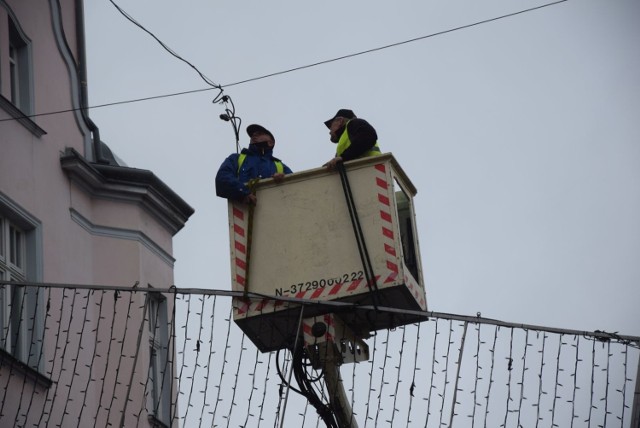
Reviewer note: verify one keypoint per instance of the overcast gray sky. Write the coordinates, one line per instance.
(522, 135)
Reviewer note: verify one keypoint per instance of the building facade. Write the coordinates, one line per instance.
(72, 213)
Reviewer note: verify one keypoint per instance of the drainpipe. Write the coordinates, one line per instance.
(81, 68)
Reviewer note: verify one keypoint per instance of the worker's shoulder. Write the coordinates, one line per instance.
(358, 122)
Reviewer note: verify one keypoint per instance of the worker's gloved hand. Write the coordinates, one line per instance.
(333, 162)
(278, 177)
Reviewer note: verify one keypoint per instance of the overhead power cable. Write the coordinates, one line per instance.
(167, 48)
(278, 73)
(393, 45)
(230, 109)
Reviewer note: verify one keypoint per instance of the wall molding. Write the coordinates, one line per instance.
(120, 233)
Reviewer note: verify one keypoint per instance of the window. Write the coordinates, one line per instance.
(21, 307)
(16, 71)
(407, 236)
(19, 69)
(13, 73)
(160, 371)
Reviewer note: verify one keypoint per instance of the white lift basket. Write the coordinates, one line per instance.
(299, 242)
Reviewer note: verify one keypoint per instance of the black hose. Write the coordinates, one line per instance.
(357, 230)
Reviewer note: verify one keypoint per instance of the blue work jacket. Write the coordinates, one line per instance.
(259, 163)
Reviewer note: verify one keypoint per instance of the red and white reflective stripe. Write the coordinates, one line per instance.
(307, 327)
(416, 291)
(251, 308)
(387, 222)
(331, 290)
(240, 252)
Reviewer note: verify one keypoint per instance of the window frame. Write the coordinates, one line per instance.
(23, 108)
(21, 332)
(20, 67)
(406, 226)
(159, 393)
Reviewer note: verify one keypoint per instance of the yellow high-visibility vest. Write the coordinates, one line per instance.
(344, 142)
(243, 156)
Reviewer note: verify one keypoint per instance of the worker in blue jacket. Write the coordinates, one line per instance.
(256, 161)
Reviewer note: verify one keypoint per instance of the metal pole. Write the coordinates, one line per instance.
(337, 395)
(295, 346)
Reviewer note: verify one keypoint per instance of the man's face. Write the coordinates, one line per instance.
(337, 123)
(261, 139)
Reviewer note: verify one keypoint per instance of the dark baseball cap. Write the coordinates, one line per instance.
(252, 129)
(343, 112)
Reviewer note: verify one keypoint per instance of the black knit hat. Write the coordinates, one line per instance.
(343, 112)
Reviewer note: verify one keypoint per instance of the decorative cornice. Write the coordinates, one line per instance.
(128, 184)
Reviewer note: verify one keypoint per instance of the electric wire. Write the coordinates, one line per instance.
(477, 377)
(119, 367)
(393, 45)
(591, 384)
(557, 383)
(353, 385)
(84, 299)
(197, 349)
(624, 385)
(224, 363)
(182, 354)
(171, 354)
(415, 370)
(540, 390)
(264, 389)
(14, 344)
(446, 372)
(509, 369)
(382, 381)
(134, 358)
(278, 73)
(575, 379)
(524, 370)
(94, 353)
(253, 387)
(370, 390)
(153, 330)
(230, 110)
(491, 381)
(398, 368)
(31, 348)
(209, 360)
(300, 361)
(234, 388)
(47, 293)
(454, 399)
(606, 389)
(167, 48)
(52, 391)
(66, 342)
(433, 374)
